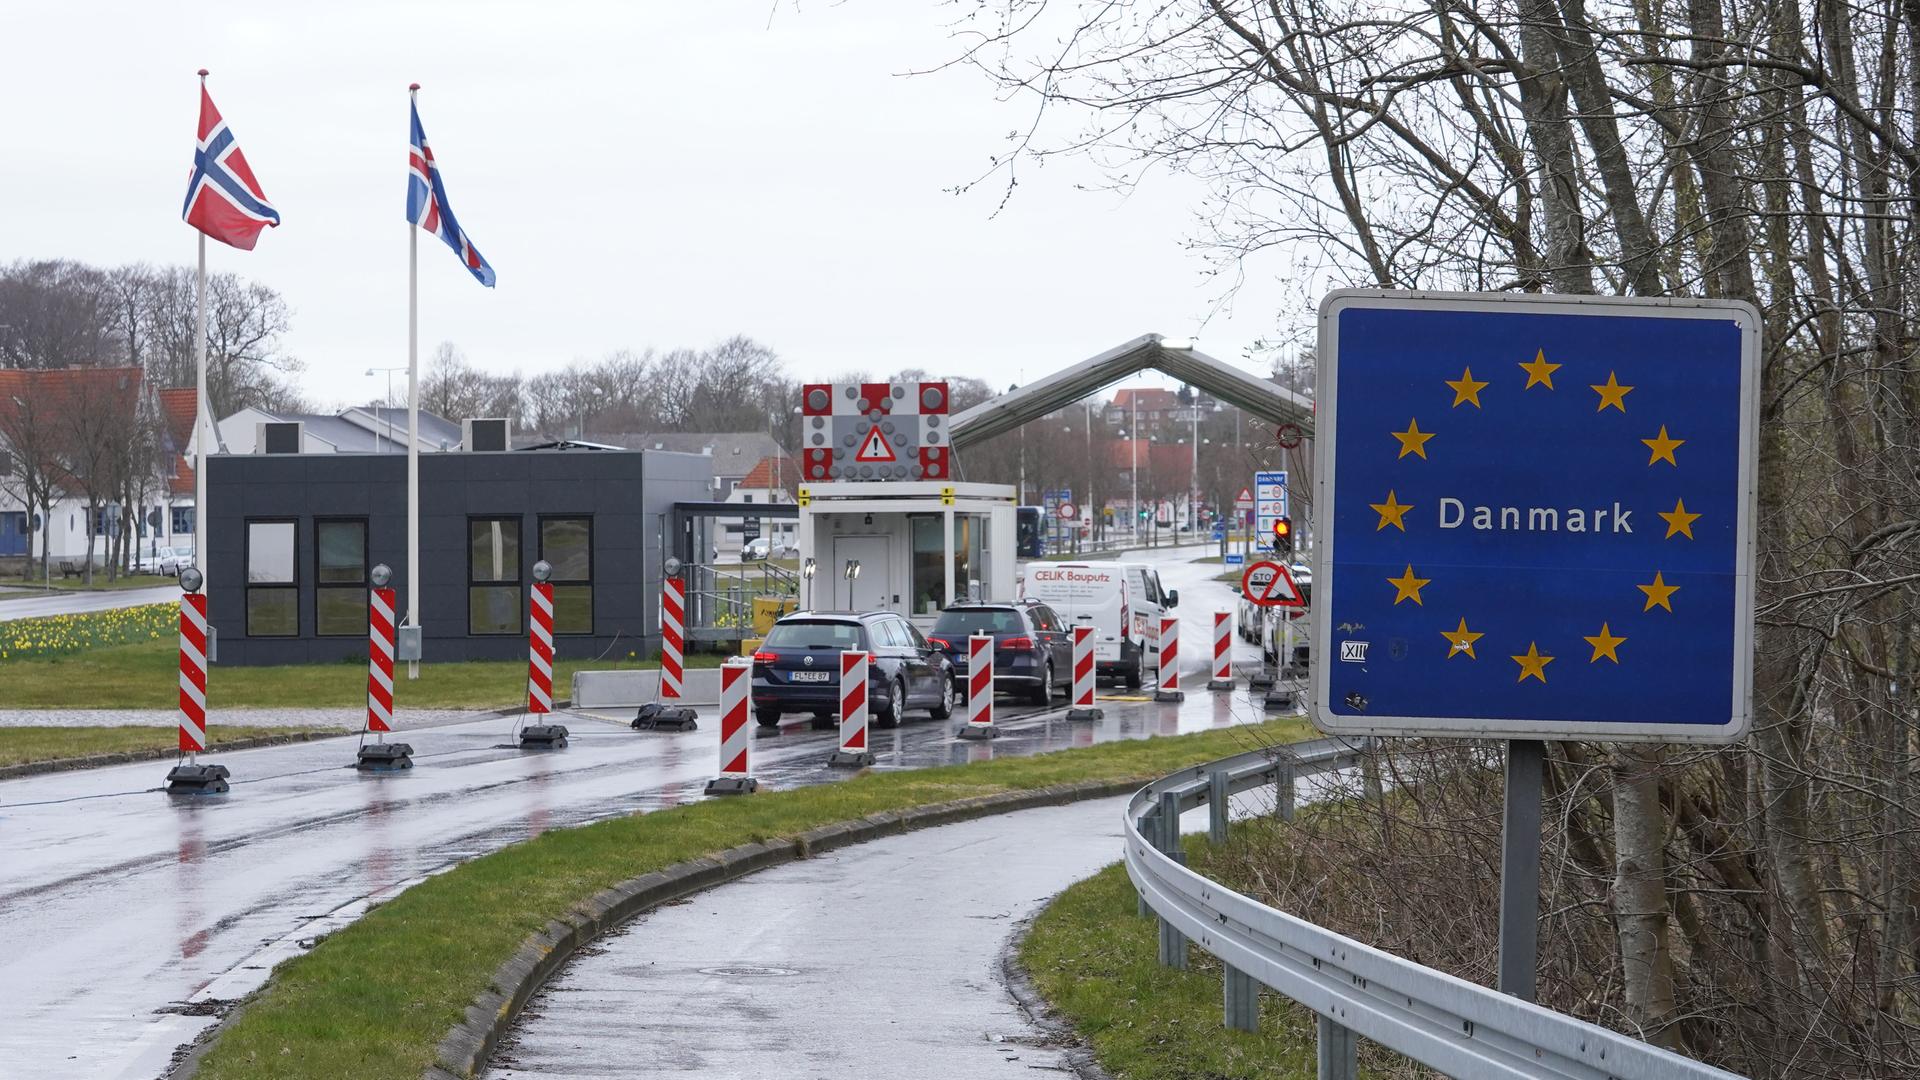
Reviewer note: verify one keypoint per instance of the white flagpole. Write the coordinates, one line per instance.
(203, 420)
(413, 435)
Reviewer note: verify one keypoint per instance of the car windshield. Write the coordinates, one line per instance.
(814, 635)
(961, 622)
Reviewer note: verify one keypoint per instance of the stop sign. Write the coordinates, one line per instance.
(1270, 584)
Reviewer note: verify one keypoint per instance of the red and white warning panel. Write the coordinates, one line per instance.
(1083, 707)
(1169, 661)
(736, 739)
(381, 755)
(193, 672)
(979, 723)
(1222, 651)
(854, 751)
(874, 431)
(190, 777)
(673, 636)
(540, 651)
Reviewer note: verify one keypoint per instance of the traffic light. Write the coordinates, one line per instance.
(1283, 536)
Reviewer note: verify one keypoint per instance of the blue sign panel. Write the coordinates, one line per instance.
(1234, 558)
(1536, 517)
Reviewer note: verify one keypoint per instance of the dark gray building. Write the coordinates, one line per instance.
(292, 537)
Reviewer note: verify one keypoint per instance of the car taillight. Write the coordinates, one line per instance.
(940, 643)
(1021, 642)
(765, 657)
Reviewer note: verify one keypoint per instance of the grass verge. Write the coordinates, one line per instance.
(28, 745)
(147, 676)
(374, 1000)
(1096, 962)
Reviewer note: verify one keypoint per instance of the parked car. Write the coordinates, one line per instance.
(756, 549)
(1032, 648)
(1100, 595)
(166, 560)
(797, 667)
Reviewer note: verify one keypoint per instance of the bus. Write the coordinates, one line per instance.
(1030, 538)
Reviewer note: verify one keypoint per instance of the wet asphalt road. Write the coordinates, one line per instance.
(34, 606)
(877, 961)
(129, 916)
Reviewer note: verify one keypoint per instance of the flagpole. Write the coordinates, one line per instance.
(202, 407)
(413, 427)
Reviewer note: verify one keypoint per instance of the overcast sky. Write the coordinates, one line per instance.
(639, 174)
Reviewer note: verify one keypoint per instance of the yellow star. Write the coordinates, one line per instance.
(1413, 440)
(1659, 593)
(1392, 512)
(1408, 586)
(1540, 371)
(1611, 393)
(1462, 640)
(1679, 521)
(1466, 388)
(1662, 447)
(1604, 643)
(1532, 665)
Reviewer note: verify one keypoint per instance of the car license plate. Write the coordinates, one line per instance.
(809, 676)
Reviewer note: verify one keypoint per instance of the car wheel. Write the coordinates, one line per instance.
(1043, 693)
(896, 707)
(767, 717)
(945, 708)
(1134, 678)
(825, 720)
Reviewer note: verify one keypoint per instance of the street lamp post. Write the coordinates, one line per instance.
(386, 411)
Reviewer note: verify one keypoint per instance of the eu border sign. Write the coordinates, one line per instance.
(1536, 517)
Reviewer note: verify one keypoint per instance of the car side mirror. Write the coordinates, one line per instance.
(1173, 598)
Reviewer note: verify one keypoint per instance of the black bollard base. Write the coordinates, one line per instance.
(850, 759)
(1088, 713)
(197, 780)
(732, 785)
(978, 731)
(384, 757)
(543, 737)
(654, 716)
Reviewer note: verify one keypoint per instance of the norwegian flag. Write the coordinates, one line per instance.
(428, 208)
(224, 200)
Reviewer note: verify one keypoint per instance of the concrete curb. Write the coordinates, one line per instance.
(95, 761)
(465, 1050)
(1038, 1010)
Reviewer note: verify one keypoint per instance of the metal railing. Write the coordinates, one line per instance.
(1356, 991)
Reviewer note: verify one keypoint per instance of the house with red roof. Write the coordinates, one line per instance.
(772, 480)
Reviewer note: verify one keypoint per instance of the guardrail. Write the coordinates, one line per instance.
(1357, 991)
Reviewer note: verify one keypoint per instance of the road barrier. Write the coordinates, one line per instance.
(381, 756)
(1169, 688)
(854, 752)
(668, 714)
(191, 777)
(1222, 651)
(736, 738)
(1357, 991)
(1083, 676)
(540, 671)
(979, 723)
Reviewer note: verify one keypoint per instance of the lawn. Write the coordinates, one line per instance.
(373, 1000)
(24, 745)
(1095, 960)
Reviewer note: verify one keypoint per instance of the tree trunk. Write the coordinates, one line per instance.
(1640, 893)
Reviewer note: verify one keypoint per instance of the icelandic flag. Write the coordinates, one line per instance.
(224, 200)
(428, 208)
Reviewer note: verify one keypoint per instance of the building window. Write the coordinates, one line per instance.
(182, 520)
(493, 576)
(566, 543)
(340, 578)
(273, 590)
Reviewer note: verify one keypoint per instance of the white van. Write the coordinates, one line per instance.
(1121, 601)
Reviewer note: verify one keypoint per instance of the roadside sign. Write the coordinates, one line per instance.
(1536, 517)
(1269, 500)
(750, 529)
(1244, 500)
(1234, 558)
(1288, 436)
(1068, 511)
(1270, 584)
(875, 449)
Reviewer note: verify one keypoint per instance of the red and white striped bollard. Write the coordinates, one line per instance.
(736, 739)
(190, 777)
(540, 666)
(1222, 651)
(1083, 676)
(854, 752)
(381, 755)
(665, 713)
(979, 723)
(1169, 661)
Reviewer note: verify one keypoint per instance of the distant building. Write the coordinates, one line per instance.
(773, 480)
(734, 453)
(365, 429)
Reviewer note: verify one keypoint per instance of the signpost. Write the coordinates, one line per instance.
(1536, 521)
(1269, 501)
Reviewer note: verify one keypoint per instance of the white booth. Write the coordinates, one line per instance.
(920, 545)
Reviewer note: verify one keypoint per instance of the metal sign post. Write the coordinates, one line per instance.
(1536, 520)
